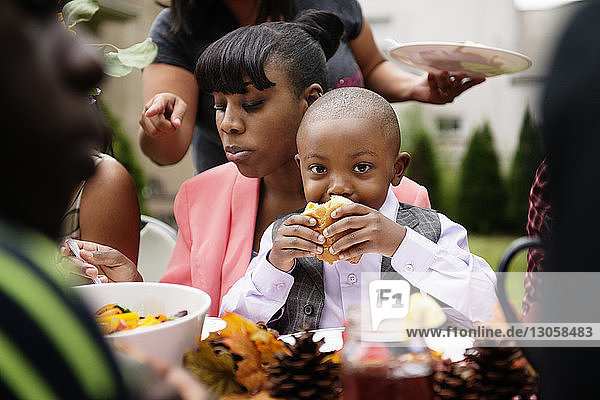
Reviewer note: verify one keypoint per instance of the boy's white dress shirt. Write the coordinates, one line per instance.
(446, 271)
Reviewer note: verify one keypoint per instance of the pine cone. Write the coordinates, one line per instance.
(303, 374)
(505, 372)
(490, 373)
(457, 380)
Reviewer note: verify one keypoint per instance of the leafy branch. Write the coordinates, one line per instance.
(118, 62)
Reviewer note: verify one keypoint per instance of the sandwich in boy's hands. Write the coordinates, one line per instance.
(336, 230)
(295, 238)
(322, 213)
(366, 231)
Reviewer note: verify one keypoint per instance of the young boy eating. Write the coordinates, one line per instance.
(348, 145)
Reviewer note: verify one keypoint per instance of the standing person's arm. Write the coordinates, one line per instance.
(395, 84)
(170, 95)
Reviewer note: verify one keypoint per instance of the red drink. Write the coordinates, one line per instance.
(374, 382)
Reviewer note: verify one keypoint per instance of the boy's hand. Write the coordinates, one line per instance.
(294, 239)
(369, 231)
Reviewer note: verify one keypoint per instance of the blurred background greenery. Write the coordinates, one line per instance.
(475, 191)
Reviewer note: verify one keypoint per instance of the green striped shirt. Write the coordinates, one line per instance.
(50, 347)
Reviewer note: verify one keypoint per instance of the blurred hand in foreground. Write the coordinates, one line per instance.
(156, 380)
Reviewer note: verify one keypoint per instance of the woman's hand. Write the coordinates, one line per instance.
(106, 263)
(369, 231)
(295, 238)
(168, 146)
(441, 87)
(396, 84)
(163, 115)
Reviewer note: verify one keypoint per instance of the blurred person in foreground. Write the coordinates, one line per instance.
(564, 204)
(572, 131)
(50, 347)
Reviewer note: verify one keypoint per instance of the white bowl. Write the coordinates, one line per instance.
(167, 341)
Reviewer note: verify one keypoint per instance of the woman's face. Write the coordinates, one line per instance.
(258, 128)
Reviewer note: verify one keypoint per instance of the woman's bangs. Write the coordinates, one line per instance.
(234, 61)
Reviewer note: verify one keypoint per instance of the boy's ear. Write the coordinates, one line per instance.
(400, 164)
(312, 93)
(297, 158)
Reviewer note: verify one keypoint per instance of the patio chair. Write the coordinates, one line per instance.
(157, 241)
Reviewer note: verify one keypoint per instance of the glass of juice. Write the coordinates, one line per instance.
(384, 364)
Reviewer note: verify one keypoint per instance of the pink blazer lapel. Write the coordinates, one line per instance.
(244, 207)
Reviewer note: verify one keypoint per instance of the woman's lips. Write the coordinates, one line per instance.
(237, 154)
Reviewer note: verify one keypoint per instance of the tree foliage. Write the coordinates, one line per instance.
(423, 167)
(528, 156)
(117, 62)
(482, 195)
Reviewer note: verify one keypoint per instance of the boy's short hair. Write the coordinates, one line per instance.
(355, 102)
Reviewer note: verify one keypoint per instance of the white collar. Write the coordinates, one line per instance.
(390, 205)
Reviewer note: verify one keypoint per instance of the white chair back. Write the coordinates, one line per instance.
(157, 241)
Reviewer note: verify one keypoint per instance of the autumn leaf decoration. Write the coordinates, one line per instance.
(265, 342)
(233, 362)
(213, 367)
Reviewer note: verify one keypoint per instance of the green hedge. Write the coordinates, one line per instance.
(482, 195)
(528, 155)
(423, 167)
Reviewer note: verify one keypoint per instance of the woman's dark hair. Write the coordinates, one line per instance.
(183, 11)
(301, 48)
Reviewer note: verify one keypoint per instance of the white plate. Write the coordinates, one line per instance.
(212, 324)
(452, 348)
(332, 336)
(473, 59)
